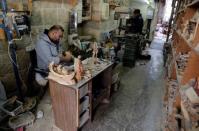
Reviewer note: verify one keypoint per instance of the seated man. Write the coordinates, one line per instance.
(47, 50)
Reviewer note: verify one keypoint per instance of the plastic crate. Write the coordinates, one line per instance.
(12, 108)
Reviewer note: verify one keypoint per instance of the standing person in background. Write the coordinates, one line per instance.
(136, 22)
(47, 51)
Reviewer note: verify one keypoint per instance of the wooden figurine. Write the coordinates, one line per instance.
(78, 68)
(95, 52)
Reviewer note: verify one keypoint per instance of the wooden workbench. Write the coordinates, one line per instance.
(73, 105)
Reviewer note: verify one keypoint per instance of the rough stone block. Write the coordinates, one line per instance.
(36, 18)
(97, 7)
(3, 45)
(51, 3)
(5, 63)
(17, 5)
(96, 16)
(50, 16)
(92, 32)
(97, 1)
(93, 24)
(36, 5)
(71, 3)
(8, 80)
(63, 15)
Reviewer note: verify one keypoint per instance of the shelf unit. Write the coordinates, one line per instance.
(184, 63)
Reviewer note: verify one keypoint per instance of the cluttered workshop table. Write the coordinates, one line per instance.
(74, 101)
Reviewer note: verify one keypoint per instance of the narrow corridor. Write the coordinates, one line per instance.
(137, 106)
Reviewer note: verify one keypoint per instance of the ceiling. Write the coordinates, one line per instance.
(142, 1)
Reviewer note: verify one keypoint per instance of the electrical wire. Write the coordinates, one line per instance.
(9, 55)
(16, 65)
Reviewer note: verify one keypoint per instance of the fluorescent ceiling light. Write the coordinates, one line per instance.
(147, 1)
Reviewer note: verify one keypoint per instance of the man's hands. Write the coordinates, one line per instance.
(66, 56)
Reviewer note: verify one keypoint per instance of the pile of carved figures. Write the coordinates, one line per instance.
(170, 112)
(181, 61)
(81, 69)
(184, 3)
(185, 116)
(190, 101)
(190, 27)
(193, 111)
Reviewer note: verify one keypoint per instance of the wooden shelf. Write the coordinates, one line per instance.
(176, 67)
(186, 117)
(195, 3)
(181, 11)
(182, 44)
(188, 43)
(192, 68)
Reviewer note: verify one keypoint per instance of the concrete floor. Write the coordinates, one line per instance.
(137, 106)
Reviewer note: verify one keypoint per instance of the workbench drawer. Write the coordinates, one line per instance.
(84, 118)
(84, 104)
(83, 91)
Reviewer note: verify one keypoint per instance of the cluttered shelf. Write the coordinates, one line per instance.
(96, 69)
(179, 72)
(188, 42)
(179, 77)
(192, 4)
(185, 116)
(183, 67)
(195, 3)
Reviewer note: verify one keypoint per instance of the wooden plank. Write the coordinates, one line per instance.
(192, 68)
(186, 116)
(195, 3)
(64, 102)
(107, 79)
(189, 14)
(196, 38)
(90, 100)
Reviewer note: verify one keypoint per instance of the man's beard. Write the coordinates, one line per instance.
(55, 41)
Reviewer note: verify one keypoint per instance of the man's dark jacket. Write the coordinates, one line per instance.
(136, 24)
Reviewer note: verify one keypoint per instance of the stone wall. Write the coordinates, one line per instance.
(45, 14)
(97, 26)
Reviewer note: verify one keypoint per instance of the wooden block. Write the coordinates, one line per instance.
(193, 97)
(2, 34)
(96, 16)
(18, 5)
(1, 20)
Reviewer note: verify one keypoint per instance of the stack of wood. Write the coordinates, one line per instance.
(190, 101)
(182, 60)
(171, 114)
(131, 51)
